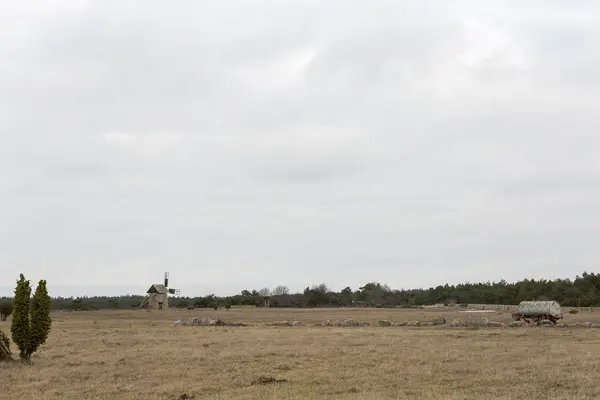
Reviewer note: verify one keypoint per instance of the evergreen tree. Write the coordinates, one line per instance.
(40, 316)
(20, 328)
(31, 318)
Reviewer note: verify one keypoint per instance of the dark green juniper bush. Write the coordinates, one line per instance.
(31, 321)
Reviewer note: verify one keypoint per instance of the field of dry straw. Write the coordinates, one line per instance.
(141, 355)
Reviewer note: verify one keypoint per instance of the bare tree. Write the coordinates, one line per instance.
(264, 292)
(321, 288)
(281, 290)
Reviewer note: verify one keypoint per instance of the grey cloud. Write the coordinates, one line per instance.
(249, 144)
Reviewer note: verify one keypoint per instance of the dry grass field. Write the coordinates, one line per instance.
(141, 355)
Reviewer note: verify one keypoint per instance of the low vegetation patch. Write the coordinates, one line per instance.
(5, 353)
(268, 380)
(6, 308)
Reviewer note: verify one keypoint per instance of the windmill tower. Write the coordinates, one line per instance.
(157, 296)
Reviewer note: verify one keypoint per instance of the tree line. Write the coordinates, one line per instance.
(583, 291)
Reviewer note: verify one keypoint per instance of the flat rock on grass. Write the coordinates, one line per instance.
(279, 323)
(351, 322)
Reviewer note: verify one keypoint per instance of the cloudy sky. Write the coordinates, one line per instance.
(244, 144)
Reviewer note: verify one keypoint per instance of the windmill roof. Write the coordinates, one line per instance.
(157, 288)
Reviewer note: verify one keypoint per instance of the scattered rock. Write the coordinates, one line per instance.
(185, 396)
(413, 323)
(516, 324)
(205, 321)
(236, 324)
(286, 323)
(385, 322)
(474, 324)
(279, 323)
(197, 321)
(546, 322)
(403, 323)
(179, 322)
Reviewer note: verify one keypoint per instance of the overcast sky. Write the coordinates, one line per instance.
(250, 144)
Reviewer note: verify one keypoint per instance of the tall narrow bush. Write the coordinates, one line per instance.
(20, 328)
(31, 321)
(40, 316)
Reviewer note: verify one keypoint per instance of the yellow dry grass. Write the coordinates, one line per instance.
(141, 355)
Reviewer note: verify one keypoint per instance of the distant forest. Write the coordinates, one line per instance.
(583, 291)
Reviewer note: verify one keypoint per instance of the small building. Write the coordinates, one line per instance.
(158, 298)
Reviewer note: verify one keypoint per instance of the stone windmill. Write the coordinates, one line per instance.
(157, 296)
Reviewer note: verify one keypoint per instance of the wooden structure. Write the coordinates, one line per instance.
(158, 298)
(158, 295)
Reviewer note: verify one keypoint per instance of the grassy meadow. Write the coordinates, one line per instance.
(139, 354)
